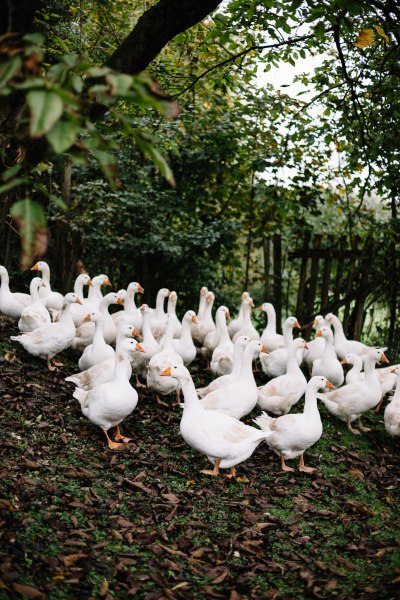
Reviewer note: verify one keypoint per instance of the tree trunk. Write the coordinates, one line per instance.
(267, 268)
(303, 277)
(312, 288)
(249, 234)
(277, 251)
(350, 283)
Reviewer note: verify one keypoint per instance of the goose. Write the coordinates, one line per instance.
(108, 404)
(269, 337)
(131, 314)
(239, 397)
(386, 376)
(98, 350)
(315, 346)
(238, 348)
(104, 371)
(236, 324)
(391, 416)
(222, 356)
(274, 363)
(53, 300)
(291, 435)
(79, 311)
(342, 345)
(84, 333)
(140, 362)
(356, 367)
(212, 338)
(35, 314)
(205, 322)
(224, 440)
(184, 345)
(247, 327)
(11, 304)
(171, 310)
(158, 362)
(352, 400)
(158, 317)
(328, 365)
(92, 302)
(48, 340)
(280, 394)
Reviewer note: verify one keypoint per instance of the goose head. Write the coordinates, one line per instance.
(135, 287)
(318, 382)
(176, 371)
(70, 298)
(190, 316)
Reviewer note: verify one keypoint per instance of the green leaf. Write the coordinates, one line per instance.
(10, 172)
(148, 149)
(31, 222)
(62, 136)
(46, 108)
(12, 184)
(34, 38)
(8, 69)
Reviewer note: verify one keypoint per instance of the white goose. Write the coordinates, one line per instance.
(149, 344)
(108, 404)
(222, 356)
(158, 362)
(171, 310)
(205, 322)
(356, 367)
(11, 304)
(92, 302)
(274, 363)
(98, 350)
(184, 345)
(344, 346)
(247, 327)
(315, 346)
(239, 397)
(158, 317)
(48, 340)
(225, 441)
(236, 324)
(271, 340)
(281, 393)
(131, 314)
(85, 332)
(53, 300)
(351, 401)
(104, 371)
(79, 311)
(238, 348)
(35, 314)
(291, 435)
(212, 338)
(328, 365)
(391, 416)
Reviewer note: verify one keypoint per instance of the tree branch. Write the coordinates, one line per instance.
(233, 57)
(154, 29)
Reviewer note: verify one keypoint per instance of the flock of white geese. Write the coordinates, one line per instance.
(50, 322)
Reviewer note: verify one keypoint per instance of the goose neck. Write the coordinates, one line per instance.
(189, 393)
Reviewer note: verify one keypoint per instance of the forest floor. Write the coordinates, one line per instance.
(81, 521)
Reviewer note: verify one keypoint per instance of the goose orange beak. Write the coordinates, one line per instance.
(194, 319)
(87, 318)
(35, 268)
(140, 289)
(259, 307)
(251, 302)
(78, 301)
(166, 371)
(384, 358)
(107, 282)
(306, 347)
(139, 348)
(329, 385)
(343, 361)
(228, 316)
(136, 334)
(168, 293)
(90, 283)
(297, 324)
(263, 349)
(319, 333)
(120, 301)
